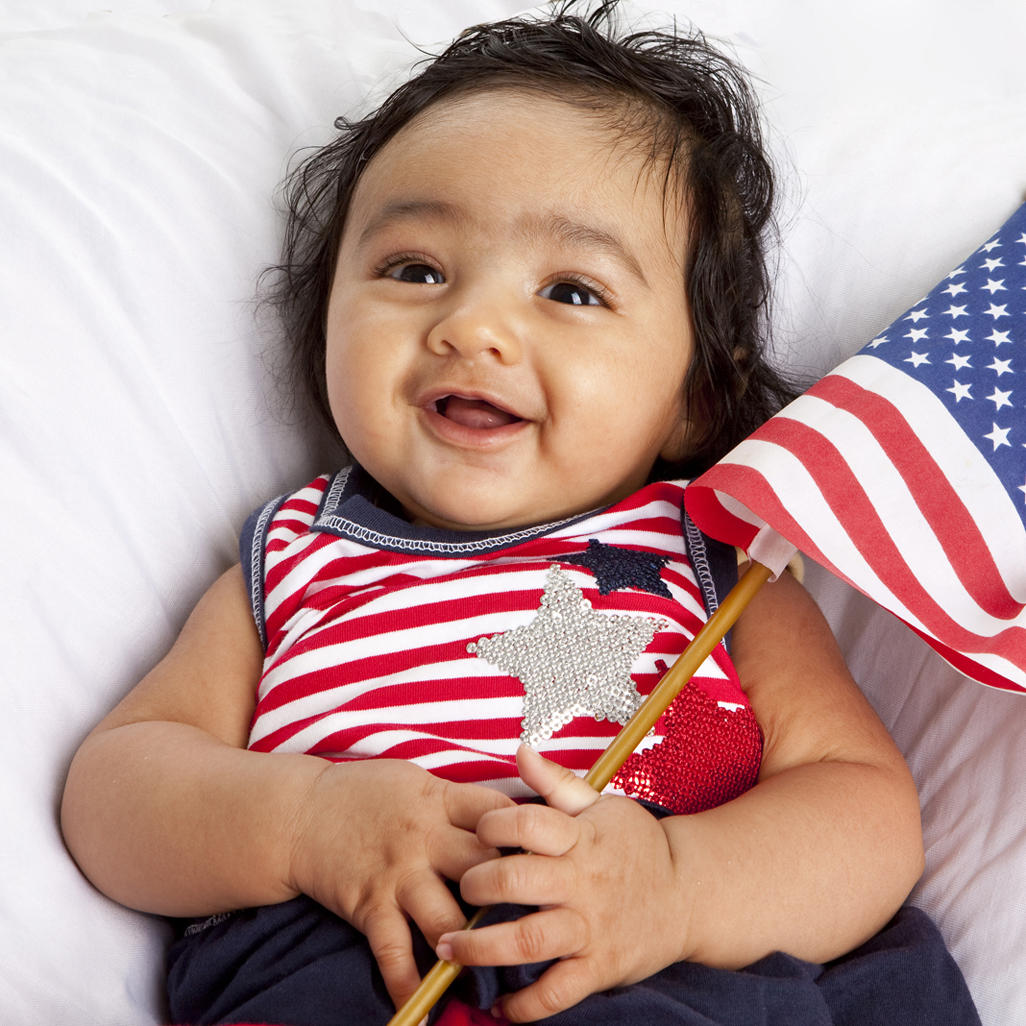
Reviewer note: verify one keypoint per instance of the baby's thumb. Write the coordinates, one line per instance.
(561, 788)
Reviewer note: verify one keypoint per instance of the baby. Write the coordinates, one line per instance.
(528, 292)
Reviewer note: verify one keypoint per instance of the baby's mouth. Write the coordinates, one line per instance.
(474, 413)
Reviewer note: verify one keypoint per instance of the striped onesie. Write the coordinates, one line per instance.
(385, 639)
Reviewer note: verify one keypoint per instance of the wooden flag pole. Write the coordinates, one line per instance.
(438, 979)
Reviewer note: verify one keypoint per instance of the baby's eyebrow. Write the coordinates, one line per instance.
(590, 236)
(397, 211)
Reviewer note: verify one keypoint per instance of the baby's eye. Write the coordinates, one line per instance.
(573, 292)
(417, 274)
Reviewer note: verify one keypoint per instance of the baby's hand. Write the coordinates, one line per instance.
(602, 872)
(374, 841)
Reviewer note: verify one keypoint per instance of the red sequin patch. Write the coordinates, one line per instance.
(709, 754)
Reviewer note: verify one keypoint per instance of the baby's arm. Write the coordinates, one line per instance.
(166, 811)
(813, 860)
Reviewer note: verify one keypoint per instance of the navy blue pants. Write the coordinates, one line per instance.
(299, 965)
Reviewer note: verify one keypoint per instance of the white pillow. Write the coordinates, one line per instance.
(140, 145)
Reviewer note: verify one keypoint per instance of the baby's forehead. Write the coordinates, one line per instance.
(632, 123)
(616, 131)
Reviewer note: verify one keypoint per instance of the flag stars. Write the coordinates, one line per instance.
(998, 437)
(999, 399)
(963, 341)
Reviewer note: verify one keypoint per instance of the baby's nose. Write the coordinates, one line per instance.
(475, 328)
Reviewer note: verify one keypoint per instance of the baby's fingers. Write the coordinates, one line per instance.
(430, 904)
(388, 935)
(422, 898)
(560, 987)
(538, 937)
(535, 828)
(560, 787)
(465, 804)
(452, 852)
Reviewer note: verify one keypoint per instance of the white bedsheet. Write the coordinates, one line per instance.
(140, 145)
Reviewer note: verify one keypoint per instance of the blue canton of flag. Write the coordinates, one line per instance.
(966, 341)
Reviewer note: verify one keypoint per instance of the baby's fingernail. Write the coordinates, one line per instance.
(444, 949)
(496, 1010)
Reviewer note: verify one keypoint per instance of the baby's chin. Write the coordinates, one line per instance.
(477, 525)
(483, 516)
(489, 499)
(489, 520)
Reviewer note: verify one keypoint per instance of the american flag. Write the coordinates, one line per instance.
(903, 471)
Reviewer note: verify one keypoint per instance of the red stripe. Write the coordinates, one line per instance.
(941, 505)
(971, 668)
(706, 510)
(856, 514)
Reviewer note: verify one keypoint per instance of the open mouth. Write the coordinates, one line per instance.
(474, 413)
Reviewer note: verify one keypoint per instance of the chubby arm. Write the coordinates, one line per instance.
(821, 853)
(165, 810)
(813, 860)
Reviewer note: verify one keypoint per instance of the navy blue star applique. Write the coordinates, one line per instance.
(615, 568)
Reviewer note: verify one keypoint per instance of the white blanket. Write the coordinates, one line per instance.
(140, 145)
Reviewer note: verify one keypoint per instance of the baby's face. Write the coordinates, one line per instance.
(508, 330)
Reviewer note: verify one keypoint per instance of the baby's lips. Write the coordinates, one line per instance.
(475, 413)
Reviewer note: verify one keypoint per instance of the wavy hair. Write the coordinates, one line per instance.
(682, 100)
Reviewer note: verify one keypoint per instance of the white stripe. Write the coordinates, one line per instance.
(328, 699)
(412, 715)
(902, 519)
(602, 522)
(887, 491)
(962, 463)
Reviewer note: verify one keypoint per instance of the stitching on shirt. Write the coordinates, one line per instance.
(700, 563)
(256, 564)
(358, 532)
(333, 493)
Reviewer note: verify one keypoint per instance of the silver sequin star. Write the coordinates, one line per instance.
(571, 660)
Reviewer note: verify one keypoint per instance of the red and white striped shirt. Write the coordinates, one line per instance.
(389, 640)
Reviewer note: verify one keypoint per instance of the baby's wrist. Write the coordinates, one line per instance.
(299, 820)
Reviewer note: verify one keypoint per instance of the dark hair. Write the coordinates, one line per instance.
(691, 104)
